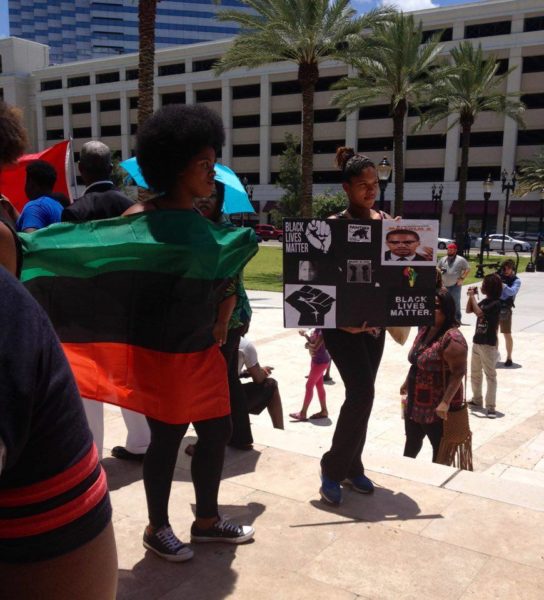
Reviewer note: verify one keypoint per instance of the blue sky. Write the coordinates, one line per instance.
(359, 4)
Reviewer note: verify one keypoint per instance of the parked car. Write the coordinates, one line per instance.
(443, 243)
(269, 232)
(510, 243)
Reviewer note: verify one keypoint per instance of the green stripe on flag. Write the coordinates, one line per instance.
(165, 241)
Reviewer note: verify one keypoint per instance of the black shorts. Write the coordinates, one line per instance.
(259, 395)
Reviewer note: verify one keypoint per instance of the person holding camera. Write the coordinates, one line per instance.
(510, 287)
(454, 269)
(484, 347)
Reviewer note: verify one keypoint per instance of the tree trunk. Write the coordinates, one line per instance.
(147, 11)
(308, 74)
(398, 144)
(460, 225)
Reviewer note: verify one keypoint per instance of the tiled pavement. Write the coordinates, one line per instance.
(428, 531)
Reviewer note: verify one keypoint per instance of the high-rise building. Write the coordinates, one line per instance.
(83, 29)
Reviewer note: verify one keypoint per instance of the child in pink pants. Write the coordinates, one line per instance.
(320, 362)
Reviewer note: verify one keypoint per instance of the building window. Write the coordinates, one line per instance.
(81, 108)
(282, 88)
(172, 98)
(324, 83)
(109, 105)
(54, 134)
(131, 74)
(530, 137)
(533, 23)
(174, 69)
(327, 146)
(533, 64)
(252, 178)
(327, 176)
(133, 102)
(379, 111)
(133, 128)
(502, 66)
(533, 100)
(243, 121)
(240, 92)
(481, 173)
(204, 65)
(326, 115)
(484, 139)
(374, 144)
(107, 77)
(246, 150)
(436, 174)
(287, 118)
(55, 110)
(1, 69)
(51, 84)
(110, 130)
(447, 34)
(277, 148)
(82, 132)
(425, 142)
(79, 81)
(212, 95)
(488, 29)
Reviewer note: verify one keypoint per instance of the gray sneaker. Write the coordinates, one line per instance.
(491, 414)
(223, 531)
(165, 544)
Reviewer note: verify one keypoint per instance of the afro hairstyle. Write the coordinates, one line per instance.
(171, 137)
(13, 138)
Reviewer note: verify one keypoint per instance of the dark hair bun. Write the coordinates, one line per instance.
(343, 154)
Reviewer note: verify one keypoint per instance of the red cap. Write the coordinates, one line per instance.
(452, 246)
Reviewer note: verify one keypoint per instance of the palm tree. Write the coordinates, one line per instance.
(393, 63)
(300, 31)
(471, 88)
(147, 12)
(531, 174)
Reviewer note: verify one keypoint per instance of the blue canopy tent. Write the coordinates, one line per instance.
(236, 198)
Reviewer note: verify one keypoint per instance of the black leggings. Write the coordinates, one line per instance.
(357, 357)
(415, 434)
(206, 465)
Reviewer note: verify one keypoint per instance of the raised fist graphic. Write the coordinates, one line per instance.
(312, 304)
(318, 234)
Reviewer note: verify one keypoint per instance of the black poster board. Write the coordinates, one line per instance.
(340, 273)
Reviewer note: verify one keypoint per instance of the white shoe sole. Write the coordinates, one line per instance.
(187, 554)
(223, 540)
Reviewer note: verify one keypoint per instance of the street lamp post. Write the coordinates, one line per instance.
(507, 186)
(532, 266)
(437, 197)
(488, 186)
(384, 171)
(249, 191)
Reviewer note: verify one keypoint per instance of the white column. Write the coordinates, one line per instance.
(451, 159)
(40, 129)
(189, 94)
(125, 126)
(226, 114)
(66, 117)
(458, 30)
(94, 118)
(264, 137)
(352, 126)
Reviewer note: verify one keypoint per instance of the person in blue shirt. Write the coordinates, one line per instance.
(510, 287)
(41, 210)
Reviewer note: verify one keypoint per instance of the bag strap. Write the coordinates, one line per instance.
(444, 377)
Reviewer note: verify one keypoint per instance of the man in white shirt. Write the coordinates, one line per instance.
(454, 269)
(262, 392)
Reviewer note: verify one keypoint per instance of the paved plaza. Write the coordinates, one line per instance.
(428, 531)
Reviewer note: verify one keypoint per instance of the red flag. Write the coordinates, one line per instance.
(12, 177)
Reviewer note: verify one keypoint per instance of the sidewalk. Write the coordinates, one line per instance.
(428, 531)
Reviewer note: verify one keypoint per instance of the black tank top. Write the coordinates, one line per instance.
(18, 246)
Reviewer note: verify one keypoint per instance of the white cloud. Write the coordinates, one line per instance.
(409, 5)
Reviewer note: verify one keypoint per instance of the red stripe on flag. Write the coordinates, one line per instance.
(174, 388)
(58, 517)
(13, 177)
(54, 486)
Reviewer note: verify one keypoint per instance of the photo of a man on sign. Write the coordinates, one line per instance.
(405, 243)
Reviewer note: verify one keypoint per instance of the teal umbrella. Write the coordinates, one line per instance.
(236, 198)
